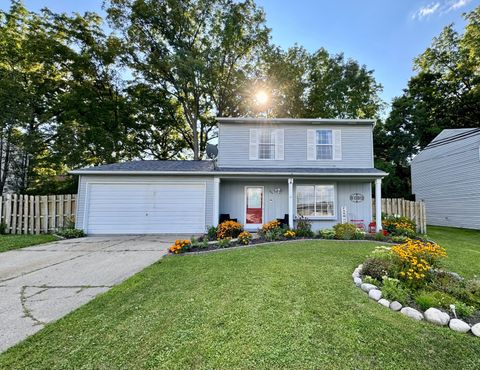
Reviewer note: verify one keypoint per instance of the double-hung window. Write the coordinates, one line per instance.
(266, 144)
(324, 144)
(316, 201)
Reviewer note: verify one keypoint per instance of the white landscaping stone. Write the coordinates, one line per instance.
(412, 313)
(360, 267)
(357, 281)
(384, 302)
(396, 306)
(355, 275)
(375, 294)
(476, 330)
(437, 317)
(459, 325)
(367, 287)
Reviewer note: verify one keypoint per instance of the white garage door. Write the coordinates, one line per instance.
(145, 208)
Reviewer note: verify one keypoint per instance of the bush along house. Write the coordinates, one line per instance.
(285, 169)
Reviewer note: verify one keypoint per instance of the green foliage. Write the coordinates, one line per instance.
(274, 234)
(370, 280)
(443, 94)
(380, 237)
(426, 299)
(304, 228)
(70, 233)
(464, 310)
(394, 290)
(224, 243)
(400, 239)
(377, 267)
(212, 233)
(345, 231)
(327, 234)
(3, 228)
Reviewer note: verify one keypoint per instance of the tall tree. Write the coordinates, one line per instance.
(445, 93)
(198, 53)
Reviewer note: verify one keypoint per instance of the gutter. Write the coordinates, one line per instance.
(221, 173)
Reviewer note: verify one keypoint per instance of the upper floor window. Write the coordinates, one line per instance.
(266, 144)
(324, 144)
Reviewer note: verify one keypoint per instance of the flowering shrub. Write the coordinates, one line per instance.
(244, 238)
(229, 229)
(416, 258)
(289, 234)
(180, 246)
(399, 225)
(270, 225)
(304, 228)
(345, 231)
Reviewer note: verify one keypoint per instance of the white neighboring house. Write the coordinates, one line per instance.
(446, 176)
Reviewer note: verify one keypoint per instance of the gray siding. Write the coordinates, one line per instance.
(447, 178)
(232, 199)
(83, 181)
(233, 147)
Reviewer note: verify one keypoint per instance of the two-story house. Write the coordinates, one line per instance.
(320, 169)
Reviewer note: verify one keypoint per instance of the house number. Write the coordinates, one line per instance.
(357, 197)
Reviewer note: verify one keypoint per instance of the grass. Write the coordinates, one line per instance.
(274, 306)
(11, 242)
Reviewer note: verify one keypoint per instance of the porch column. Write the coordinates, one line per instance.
(290, 203)
(378, 204)
(216, 200)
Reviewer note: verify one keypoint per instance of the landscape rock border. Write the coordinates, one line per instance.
(433, 315)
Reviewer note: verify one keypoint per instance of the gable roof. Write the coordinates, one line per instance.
(460, 139)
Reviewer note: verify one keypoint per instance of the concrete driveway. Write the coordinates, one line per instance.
(43, 283)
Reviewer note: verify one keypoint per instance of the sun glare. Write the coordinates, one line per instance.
(261, 97)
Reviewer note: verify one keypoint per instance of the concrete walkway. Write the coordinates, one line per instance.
(43, 283)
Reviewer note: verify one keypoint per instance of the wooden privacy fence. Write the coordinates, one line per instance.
(35, 214)
(407, 208)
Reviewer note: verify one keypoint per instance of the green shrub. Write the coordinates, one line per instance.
(380, 237)
(224, 243)
(212, 233)
(304, 228)
(200, 243)
(399, 225)
(359, 235)
(70, 233)
(393, 290)
(327, 234)
(463, 309)
(400, 239)
(370, 280)
(377, 267)
(3, 228)
(273, 235)
(345, 231)
(426, 299)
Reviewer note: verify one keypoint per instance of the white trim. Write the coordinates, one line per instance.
(253, 226)
(378, 205)
(216, 200)
(337, 145)
(350, 121)
(291, 215)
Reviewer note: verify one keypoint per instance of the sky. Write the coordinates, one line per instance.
(385, 35)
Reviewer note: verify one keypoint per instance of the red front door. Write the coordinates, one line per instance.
(254, 205)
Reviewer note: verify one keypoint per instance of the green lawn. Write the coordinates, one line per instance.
(10, 242)
(277, 306)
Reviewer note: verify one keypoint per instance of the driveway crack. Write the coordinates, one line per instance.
(26, 311)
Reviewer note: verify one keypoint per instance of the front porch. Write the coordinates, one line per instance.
(254, 200)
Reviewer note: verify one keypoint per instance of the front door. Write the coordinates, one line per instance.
(254, 206)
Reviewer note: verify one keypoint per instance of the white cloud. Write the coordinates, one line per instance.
(457, 4)
(427, 10)
(440, 7)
